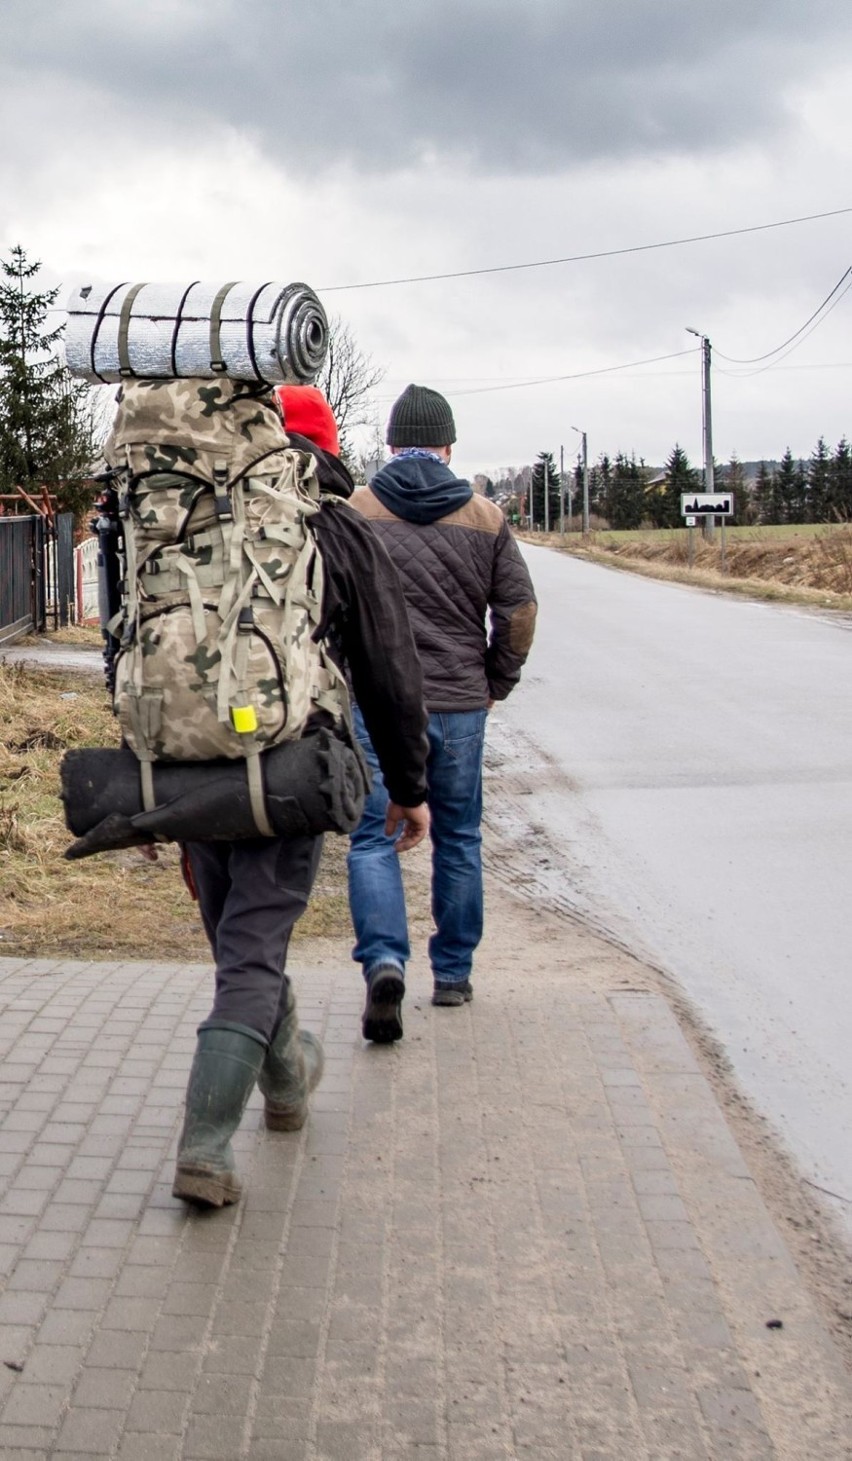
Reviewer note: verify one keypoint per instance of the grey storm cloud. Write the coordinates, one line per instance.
(497, 86)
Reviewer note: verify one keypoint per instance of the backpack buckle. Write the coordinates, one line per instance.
(221, 496)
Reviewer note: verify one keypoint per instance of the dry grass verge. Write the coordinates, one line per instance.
(813, 567)
(115, 904)
(86, 636)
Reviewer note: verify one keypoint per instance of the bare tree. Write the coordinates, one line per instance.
(346, 380)
(372, 456)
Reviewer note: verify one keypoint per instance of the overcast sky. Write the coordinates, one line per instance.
(344, 142)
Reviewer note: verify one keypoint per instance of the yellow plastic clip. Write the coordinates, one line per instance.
(244, 719)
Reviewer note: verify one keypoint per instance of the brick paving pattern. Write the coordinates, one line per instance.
(526, 1231)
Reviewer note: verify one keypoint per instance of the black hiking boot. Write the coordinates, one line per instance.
(453, 994)
(382, 1019)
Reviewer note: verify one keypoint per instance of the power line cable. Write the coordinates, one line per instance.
(814, 321)
(793, 341)
(582, 258)
(756, 359)
(546, 380)
(746, 374)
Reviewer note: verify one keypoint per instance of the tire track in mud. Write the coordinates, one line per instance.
(520, 851)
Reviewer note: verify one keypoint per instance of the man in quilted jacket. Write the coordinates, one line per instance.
(472, 610)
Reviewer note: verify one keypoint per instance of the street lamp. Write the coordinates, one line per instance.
(706, 415)
(585, 460)
(706, 423)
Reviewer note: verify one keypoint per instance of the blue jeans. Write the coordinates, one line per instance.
(376, 896)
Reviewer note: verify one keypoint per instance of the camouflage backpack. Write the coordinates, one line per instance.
(223, 579)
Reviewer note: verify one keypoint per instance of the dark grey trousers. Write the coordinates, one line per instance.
(250, 894)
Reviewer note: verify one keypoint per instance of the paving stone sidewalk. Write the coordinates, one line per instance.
(525, 1231)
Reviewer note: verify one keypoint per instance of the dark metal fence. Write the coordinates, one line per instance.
(59, 558)
(23, 603)
(36, 573)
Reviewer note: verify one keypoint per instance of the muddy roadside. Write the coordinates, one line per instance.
(809, 569)
(526, 893)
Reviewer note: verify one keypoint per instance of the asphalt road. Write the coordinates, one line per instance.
(48, 654)
(683, 760)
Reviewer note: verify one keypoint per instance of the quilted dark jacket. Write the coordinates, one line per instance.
(457, 571)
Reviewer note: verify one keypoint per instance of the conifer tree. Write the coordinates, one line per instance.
(545, 476)
(733, 479)
(799, 499)
(680, 476)
(840, 483)
(627, 494)
(600, 486)
(785, 490)
(818, 489)
(763, 494)
(46, 424)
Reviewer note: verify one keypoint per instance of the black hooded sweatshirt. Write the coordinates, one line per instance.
(366, 627)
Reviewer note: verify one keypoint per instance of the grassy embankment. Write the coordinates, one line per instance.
(115, 904)
(808, 564)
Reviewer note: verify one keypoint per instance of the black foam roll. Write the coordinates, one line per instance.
(311, 786)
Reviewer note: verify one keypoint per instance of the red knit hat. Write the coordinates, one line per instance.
(307, 413)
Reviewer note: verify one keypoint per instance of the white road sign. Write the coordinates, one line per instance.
(707, 504)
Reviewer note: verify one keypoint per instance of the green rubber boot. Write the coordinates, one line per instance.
(292, 1067)
(227, 1062)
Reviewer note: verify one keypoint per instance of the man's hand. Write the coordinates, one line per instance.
(414, 822)
(148, 850)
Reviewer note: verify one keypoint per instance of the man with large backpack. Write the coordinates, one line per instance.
(251, 587)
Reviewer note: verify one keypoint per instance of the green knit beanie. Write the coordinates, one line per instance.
(421, 417)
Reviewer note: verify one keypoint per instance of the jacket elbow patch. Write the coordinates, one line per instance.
(522, 628)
